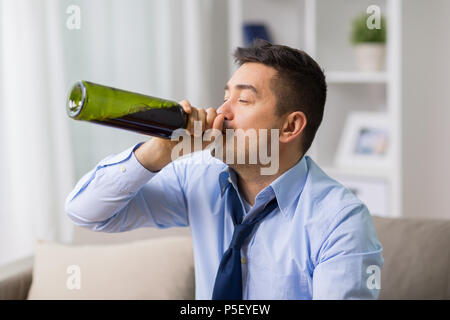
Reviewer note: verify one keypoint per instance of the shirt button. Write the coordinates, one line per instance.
(123, 169)
(243, 261)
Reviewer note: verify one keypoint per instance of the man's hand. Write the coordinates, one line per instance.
(156, 152)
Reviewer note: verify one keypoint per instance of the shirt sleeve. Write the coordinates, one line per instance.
(350, 259)
(119, 194)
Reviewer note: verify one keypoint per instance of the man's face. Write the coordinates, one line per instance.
(249, 102)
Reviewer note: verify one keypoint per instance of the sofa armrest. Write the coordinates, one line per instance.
(15, 279)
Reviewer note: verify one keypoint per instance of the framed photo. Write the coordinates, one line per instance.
(365, 142)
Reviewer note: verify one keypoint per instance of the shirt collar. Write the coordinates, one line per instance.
(227, 177)
(287, 187)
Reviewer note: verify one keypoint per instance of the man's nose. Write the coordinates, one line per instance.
(225, 109)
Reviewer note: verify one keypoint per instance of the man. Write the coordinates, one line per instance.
(294, 234)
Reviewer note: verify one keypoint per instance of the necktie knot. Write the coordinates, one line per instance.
(241, 232)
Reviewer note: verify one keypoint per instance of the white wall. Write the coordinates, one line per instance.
(426, 108)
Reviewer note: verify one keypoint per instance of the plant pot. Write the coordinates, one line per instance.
(370, 57)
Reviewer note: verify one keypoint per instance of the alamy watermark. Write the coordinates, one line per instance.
(251, 146)
(374, 280)
(73, 21)
(374, 19)
(74, 279)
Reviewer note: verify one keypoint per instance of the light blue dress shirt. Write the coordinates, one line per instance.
(319, 243)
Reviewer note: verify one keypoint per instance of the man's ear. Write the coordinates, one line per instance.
(293, 125)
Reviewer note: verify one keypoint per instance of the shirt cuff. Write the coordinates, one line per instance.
(131, 174)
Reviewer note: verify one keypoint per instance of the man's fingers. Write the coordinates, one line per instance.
(208, 118)
(186, 105)
(196, 115)
(201, 116)
(191, 120)
(211, 114)
(218, 122)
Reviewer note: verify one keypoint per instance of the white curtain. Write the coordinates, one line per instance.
(36, 167)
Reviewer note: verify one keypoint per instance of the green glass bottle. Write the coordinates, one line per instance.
(126, 110)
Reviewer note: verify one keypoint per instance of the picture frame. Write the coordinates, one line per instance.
(365, 141)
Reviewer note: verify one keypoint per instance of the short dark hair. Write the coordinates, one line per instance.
(298, 86)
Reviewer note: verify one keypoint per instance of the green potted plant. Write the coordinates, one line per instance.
(369, 44)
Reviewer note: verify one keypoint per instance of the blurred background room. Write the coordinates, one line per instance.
(385, 132)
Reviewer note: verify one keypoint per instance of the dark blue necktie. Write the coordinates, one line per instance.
(228, 285)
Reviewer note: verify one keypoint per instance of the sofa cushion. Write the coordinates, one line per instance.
(416, 258)
(151, 269)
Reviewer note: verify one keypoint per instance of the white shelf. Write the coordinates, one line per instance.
(356, 77)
